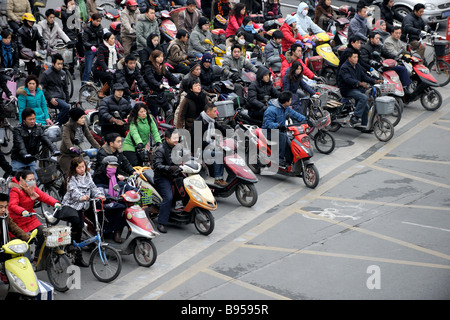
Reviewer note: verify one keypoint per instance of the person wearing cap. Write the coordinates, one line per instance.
(128, 19)
(113, 110)
(197, 44)
(290, 33)
(188, 18)
(273, 51)
(27, 38)
(251, 35)
(74, 133)
(207, 74)
(146, 25)
(304, 22)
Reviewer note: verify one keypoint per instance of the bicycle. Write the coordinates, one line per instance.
(7, 110)
(52, 256)
(105, 261)
(439, 68)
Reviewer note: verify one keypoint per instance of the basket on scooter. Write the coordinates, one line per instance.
(441, 48)
(315, 63)
(225, 108)
(387, 88)
(146, 196)
(385, 104)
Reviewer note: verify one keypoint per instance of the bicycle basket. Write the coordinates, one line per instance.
(66, 53)
(8, 110)
(386, 88)
(441, 48)
(47, 174)
(146, 196)
(324, 121)
(57, 236)
(53, 133)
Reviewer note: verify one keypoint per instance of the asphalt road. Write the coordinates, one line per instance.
(376, 228)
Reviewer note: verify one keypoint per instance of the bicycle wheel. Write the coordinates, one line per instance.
(69, 81)
(7, 144)
(324, 142)
(88, 96)
(57, 265)
(51, 191)
(440, 70)
(106, 263)
(144, 252)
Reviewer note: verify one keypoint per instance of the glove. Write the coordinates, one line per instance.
(25, 213)
(311, 123)
(235, 77)
(216, 89)
(57, 205)
(111, 70)
(316, 95)
(282, 128)
(316, 78)
(139, 147)
(174, 169)
(423, 34)
(375, 64)
(75, 150)
(29, 157)
(94, 49)
(56, 153)
(71, 44)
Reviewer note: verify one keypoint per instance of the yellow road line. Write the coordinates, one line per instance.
(416, 160)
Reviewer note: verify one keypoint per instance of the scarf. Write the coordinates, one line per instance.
(7, 55)
(112, 59)
(111, 174)
(28, 190)
(249, 28)
(211, 129)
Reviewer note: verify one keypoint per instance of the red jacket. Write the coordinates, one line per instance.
(234, 24)
(285, 64)
(288, 39)
(20, 201)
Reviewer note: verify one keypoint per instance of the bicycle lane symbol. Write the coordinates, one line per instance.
(330, 213)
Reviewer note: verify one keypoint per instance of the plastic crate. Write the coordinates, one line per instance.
(441, 48)
(47, 174)
(225, 108)
(385, 104)
(57, 236)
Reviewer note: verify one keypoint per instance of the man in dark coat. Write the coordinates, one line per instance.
(128, 72)
(260, 92)
(413, 28)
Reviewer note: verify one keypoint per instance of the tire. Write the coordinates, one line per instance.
(107, 6)
(431, 99)
(51, 191)
(246, 194)
(311, 176)
(403, 11)
(324, 142)
(383, 129)
(396, 116)
(106, 264)
(92, 99)
(333, 127)
(57, 265)
(330, 75)
(203, 221)
(7, 144)
(144, 252)
(440, 71)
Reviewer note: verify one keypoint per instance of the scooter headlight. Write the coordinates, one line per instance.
(237, 161)
(19, 248)
(196, 183)
(197, 197)
(17, 281)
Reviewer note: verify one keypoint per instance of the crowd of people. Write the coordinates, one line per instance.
(127, 130)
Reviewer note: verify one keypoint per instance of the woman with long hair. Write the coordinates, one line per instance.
(155, 71)
(141, 125)
(106, 63)
(293, 82)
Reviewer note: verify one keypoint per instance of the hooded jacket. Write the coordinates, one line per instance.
(16, 9)
(140, 133)
(276, 114)
(258, 90)
(109, 105)
(286, 62)
(126, 77)
(144, 28)
(305, 22)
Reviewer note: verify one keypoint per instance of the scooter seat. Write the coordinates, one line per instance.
(150, 176)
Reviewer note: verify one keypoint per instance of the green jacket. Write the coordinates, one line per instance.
(140, 134)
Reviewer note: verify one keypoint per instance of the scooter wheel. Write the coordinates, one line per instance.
(383, 129)
(246, 194)
(431, 99)
(311, 176)
(144, 252)
(203, 221)
(324, 142)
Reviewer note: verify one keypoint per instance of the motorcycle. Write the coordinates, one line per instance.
(240, 179)
(138, 240)
(258, 153)
(219, 52)
(422, 86)
(341, 112)
(190, 191)
(167, 27)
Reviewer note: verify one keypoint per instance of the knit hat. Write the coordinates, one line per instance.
(290, 20)
(194, 65)
(202, 21)
(76, 113)
(207, 57)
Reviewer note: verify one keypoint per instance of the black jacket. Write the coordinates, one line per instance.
(154, 79)
(92, 36)
(349, 76)
(101, 63)
(259, 89)
(124, 168)
(207, 78)
(412, 25)
(107, 107)
(27, 39)
(388, 15)
(162, 160)
(29, 142)
(54, 84)
(367, 55)
(126, 78)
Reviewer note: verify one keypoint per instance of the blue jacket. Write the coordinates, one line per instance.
(36, 102)
(276, 114)
(358, 26)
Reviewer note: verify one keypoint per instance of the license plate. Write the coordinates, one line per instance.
(446, 14)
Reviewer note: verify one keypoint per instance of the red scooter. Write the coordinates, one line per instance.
(258, 151)
(167, 27)
(240, 180)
